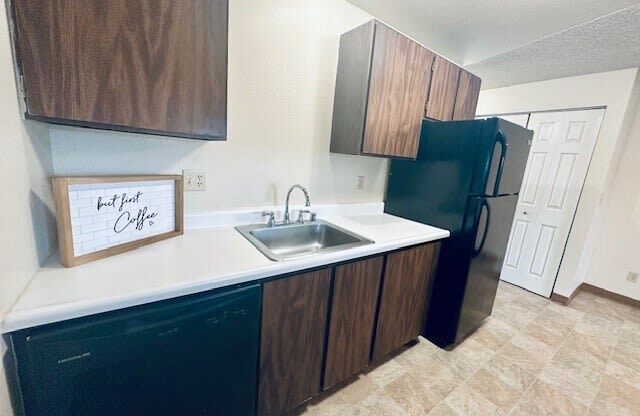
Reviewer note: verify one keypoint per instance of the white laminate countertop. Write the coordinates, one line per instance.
(199, 260)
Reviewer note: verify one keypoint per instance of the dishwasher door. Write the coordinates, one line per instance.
(192, 356)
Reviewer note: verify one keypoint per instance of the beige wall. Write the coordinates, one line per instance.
(617, 245)
(282, 68)
(26, 222)
(610, 89)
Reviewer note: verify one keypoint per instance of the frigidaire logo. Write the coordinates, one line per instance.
(74, 357)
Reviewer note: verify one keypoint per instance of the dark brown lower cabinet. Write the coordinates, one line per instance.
(405, 290)
(353, 310)
(294, 318)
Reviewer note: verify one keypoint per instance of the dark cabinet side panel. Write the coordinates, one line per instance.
(355, 297)
(352, 85)
(139, 65)
(467, 96)
(444, 86)
(398, 87)
(405, 290)
(293, 327)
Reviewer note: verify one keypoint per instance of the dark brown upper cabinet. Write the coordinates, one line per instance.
(467, 96)
(294, 316)
(442, 94)
(405, 292)
(381, 87)
(353, 311)
(149, 66)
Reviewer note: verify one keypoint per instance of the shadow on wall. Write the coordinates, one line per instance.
(79, 151)
(44, 227)
(40, 167)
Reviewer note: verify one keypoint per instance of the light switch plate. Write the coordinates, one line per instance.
(632, 277)
(194, 180)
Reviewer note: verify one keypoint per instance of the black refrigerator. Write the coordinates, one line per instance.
(466, 179)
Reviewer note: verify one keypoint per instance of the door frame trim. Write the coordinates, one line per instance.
(529, 113)
(559, 110)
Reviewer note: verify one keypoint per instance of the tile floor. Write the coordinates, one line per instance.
(531, 357)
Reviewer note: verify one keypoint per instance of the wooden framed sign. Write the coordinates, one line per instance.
(105, 215)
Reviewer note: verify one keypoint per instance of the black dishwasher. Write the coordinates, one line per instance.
(192, 356)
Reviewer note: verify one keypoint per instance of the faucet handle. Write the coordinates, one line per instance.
(312, 215)
(272, 217)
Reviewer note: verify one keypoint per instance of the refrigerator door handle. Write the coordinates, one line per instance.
(502, 140)
(485, 205)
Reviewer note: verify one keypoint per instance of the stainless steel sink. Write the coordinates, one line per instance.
(284, 242)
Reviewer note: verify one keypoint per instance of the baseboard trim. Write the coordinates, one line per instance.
(610, 295)
(564, 300)
(587, 287)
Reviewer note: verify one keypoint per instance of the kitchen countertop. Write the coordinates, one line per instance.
(199, 260)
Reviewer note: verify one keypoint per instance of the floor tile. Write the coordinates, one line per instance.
(515, 315)
(528, 353)
(532, 301)
(623, 373)
(465, 359)
(381, 404)
(501, 382)
(386, 373)
(440, 379)
(547, 330)
(627, 350)
(575, 374)
(414, 397)
(356, 391)
(616, 398)
(466, 401)
(494, 333)
(544, 399)
(582, 301)
(443, 409)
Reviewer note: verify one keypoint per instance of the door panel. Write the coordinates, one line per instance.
(294, 315)
(405, 291)
(444, 87)
(126, 64)
(355, 297)
(558, 164)
(398, 87)
(467, 96)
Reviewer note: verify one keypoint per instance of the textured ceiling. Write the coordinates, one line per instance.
(605, 44)
(516, 41)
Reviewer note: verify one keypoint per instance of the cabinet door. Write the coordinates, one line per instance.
(353, 309)
(398, 87)
(294, 315)
(156, 66)
(405, 290)
(467, 96)
(444, 86)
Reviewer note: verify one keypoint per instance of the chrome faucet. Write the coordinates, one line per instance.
(287, 219)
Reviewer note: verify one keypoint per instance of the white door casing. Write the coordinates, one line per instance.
(556, 169)
(519, 119)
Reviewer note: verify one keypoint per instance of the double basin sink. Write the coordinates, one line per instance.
(284, 242)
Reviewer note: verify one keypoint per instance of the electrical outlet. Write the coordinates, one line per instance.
(194, 180)
(360, 183)
(632, 277)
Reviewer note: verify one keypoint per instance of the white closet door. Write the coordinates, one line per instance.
(558, 162)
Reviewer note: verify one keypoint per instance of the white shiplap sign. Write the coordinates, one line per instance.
(104, 215)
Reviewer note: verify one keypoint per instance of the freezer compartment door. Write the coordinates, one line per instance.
(502, 158)
(490, 222)
(434, 188)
